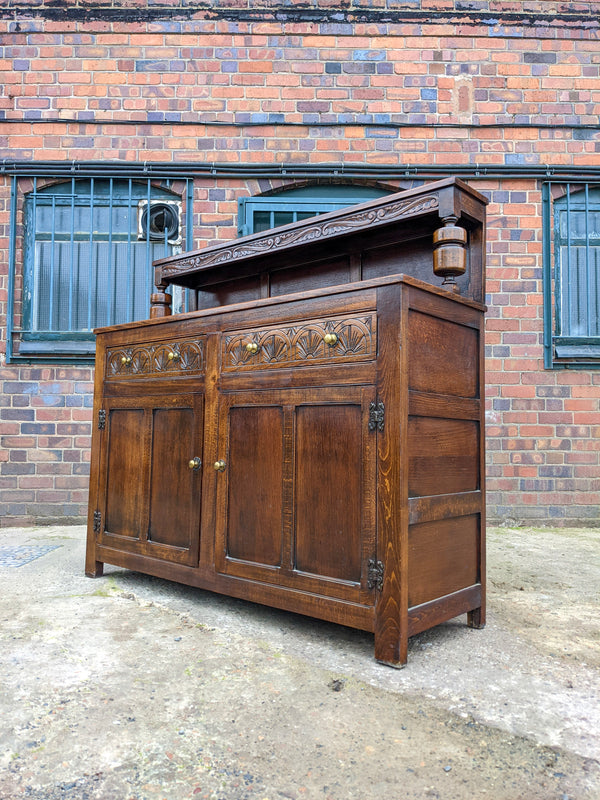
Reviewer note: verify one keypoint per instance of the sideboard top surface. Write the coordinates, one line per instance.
(314, 294)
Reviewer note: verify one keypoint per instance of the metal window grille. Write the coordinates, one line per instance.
(88, 248)
(258, 214)
(571, 274)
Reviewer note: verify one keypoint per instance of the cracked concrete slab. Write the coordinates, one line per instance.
(132, 687)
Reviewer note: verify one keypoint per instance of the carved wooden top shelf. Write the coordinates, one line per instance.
(333, 249)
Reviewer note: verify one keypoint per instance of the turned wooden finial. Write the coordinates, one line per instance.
(449, 253)
(160, 301)
(160, 305)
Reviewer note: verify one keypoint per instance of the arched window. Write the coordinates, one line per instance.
(270, 211)
(572, 277)
(88, 251)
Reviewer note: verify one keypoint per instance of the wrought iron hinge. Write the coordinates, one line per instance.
(97, 521)
(375, 574)
(101, 419)
(376, 416)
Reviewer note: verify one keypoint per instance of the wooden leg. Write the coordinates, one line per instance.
(476, 618)
(391, 646)
(393, 664)
(95, 569)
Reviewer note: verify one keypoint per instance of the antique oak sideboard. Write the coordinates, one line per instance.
(311, 437)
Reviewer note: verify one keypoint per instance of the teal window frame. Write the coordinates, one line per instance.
(87, 260)
(571, 274)
(296, 204)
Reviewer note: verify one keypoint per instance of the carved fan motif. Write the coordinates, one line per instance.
(141, 360)
(237, 355)
(308, 343)
(191, 356)
(300, 344)
(162, 363)
(274, 347)
(354, 336)
(153, 359)
(115, 365)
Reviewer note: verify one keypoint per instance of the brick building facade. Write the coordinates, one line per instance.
(199, 106)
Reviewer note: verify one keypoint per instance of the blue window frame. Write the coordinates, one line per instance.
(88, 248)
(571, 220)
(258, 214)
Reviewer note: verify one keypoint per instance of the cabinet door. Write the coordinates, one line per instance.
(150, 498)
(295, 499)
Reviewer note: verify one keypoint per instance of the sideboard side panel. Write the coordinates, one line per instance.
(445, 443)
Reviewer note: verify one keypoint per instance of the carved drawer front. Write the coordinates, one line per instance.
(322, 341)
(179, 356)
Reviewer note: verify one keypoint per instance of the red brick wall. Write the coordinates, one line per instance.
(45, 430)
(382, 85)
(543, 434)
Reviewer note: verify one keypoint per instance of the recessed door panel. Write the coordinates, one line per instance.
(255, 502)
(328, 490)
(124, 483)
(174, 485)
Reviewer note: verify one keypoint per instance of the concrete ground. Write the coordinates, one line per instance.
(132, 688)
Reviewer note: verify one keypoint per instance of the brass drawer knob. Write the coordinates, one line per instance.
(252, 347)
(125, 360)
(331, 339)
(195, 463)
(174, 356)
(220, 466)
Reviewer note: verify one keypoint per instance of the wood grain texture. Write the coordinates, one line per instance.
(477, 617)
(301, 344)
(448, 361)
(228, 292)
(444, 456)
(328, 503)
(283, 514)
(421, 404)
(421, 618)
(443, 506)
(443, 557)
(353, 614)
(173, 524)
(148, 497)
(126, 459)
(255, 484)
(391, 631)
(94, 568)
(180, 356)
(329, 272)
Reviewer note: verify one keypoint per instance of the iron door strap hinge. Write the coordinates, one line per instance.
(375, 574)
(376, 416)
(101, 419)
(97, 521)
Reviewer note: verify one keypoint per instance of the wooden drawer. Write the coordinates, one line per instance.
(178, 356)
(319, 341)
